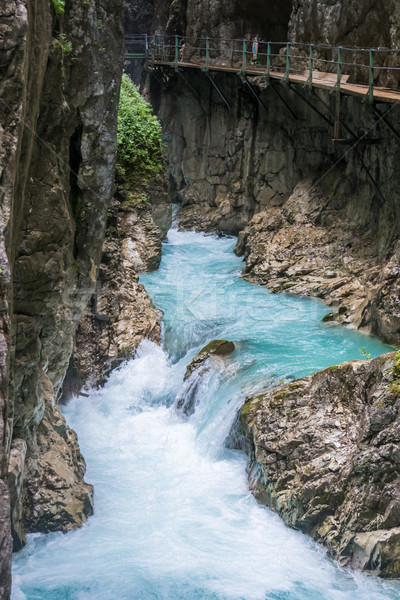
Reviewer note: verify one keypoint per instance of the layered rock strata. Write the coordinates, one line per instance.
(324, 455)
(59, 85)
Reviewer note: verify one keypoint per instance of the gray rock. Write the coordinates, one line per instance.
(324, 455)
(213, 348)
(57, 137)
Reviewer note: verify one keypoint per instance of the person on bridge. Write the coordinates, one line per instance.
(255, 49)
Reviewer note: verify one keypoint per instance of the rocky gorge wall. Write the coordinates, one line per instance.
(59, 85)
(121, 314)
(314, 217)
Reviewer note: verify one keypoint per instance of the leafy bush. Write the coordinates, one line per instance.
(139, 134)
(59, 5)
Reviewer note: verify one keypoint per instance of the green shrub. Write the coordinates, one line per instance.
(59, 5)
(139, 134)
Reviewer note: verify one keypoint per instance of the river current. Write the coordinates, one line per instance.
(174, 519)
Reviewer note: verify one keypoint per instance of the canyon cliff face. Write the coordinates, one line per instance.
(324, 455)
(59, 86)
(121, 314)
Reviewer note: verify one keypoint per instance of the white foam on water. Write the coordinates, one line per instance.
(174, 519)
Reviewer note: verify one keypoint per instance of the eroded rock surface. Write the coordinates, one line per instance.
(209, 357)
(314, 245)
(324, 453)
(121, 313)
(59, 83)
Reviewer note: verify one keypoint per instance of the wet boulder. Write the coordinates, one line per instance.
(195, 372)
(213, 348)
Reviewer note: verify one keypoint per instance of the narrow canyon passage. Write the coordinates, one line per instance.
(174, 518)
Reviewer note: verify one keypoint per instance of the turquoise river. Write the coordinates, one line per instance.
(174, 519)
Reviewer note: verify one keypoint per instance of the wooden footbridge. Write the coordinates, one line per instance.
(369, 73)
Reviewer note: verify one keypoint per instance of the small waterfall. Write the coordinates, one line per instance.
(188, 396)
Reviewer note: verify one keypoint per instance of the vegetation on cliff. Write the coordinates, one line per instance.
(139, 134)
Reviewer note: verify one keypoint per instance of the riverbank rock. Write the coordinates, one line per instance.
(213, 348)
(311, 246)
(56, 496)
(121, 314)
(324, 454)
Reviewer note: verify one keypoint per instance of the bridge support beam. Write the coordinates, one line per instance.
(336, 128)
(218, 91)
(243, 79)
(311, 105)
(355, 142)
(387, 123)
(273, 88)
(191, 88)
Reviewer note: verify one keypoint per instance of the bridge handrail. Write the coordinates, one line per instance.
(381, 66)
(307, 44)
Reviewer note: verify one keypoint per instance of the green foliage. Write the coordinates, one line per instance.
(59, 6)
(395, 390)
(396, 368)
(139, 134)
(62, 42)
(366, 355)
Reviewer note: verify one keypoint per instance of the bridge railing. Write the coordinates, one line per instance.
(136, 46)
(368, 66)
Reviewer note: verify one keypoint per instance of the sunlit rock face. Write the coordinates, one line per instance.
(324, 454)
(58, 127)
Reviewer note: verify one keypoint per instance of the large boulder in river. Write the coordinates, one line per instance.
(213, 348)
(325, 454)
(193, 379)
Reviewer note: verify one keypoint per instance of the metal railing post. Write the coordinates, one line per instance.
(244, 60)
(339, 69)
(310, 66)
(176, 61)
(287, 70)
(371, 77)
(153, 50)
(163, 48)
(268, 68)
